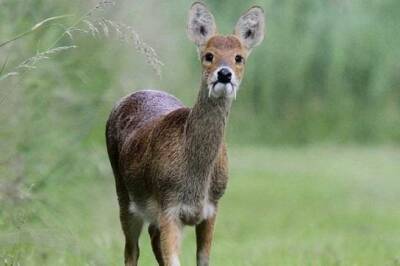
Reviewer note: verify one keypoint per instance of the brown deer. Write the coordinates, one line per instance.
(169, 161)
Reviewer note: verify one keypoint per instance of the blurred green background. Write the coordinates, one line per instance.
(314, 133)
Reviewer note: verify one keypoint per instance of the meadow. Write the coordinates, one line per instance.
(313, 136)
(284, 206)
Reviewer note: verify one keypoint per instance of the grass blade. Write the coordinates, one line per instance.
(34, 28)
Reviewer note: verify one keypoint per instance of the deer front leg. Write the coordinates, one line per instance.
(170, 239)
(204, 235)
(154, 233)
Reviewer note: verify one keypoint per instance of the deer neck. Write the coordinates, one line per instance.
(204, 131)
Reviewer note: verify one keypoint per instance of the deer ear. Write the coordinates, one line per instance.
(201, 24)
(250, 27)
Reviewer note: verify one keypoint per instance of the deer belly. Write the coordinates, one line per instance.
(192, 215)
(148, 211)
(187, 214)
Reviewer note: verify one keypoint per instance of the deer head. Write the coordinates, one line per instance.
(223, 58)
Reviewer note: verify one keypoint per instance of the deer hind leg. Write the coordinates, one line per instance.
(154, 233)
(204, 235)
(131, 223)
(170, 240)
(132, 226)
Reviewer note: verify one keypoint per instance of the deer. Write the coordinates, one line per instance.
(169, 161)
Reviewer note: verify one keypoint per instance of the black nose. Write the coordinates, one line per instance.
(224, 75)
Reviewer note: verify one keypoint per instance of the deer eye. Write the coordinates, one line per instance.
(209, 57)
(239, 59)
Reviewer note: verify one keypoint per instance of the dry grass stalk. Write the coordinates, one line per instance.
(31, 62)
(97, 28)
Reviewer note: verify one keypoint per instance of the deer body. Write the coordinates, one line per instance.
(169, 161)
(155, 162)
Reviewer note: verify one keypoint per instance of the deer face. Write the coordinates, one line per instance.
(223, 57)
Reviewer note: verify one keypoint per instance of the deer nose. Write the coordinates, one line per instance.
(224, 75)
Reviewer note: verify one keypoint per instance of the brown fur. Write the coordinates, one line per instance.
(152, 162)
(204, 236)
(169, 161)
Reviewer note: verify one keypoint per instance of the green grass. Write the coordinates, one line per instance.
(305, 206)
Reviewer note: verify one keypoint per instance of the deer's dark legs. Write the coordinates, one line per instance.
(154, 233)
(204, 235)
(132, 226)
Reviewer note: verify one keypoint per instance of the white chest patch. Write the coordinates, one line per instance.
(208, 210)
(132, 207)
(149, 212)
(175, 261)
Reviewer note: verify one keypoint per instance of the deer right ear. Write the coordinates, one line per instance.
(250, 27)
(201, 25)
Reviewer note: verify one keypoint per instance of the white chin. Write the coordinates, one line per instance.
(222, 89)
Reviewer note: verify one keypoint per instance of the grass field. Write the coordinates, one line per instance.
(304, 206)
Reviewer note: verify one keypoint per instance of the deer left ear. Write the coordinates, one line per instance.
(201, 25)
(250, 27)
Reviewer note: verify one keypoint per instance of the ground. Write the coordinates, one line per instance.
(284, 206)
